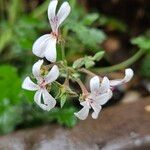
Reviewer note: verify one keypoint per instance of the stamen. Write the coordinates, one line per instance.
(54, 34)
(90, 100)
(42, 84)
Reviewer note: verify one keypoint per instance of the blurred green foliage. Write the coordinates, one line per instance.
(112, 23)
(145, 67)
(9, 84)
(143, 42)
(9, 98)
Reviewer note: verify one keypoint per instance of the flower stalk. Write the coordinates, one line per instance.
(122, 65)
(88, 72)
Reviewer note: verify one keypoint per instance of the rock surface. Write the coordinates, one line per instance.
(120, 127)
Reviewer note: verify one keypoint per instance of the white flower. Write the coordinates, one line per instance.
(42, 97)
(128, 76)
(100, 94)
(45, 46)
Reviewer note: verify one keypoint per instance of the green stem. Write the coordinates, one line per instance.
(122, 65)
(83, 88)
(63, 51)
(66, 83)
(88, 72)
(65, 32)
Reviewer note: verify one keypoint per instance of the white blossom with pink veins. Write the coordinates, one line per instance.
(42, 96)
(45, 46)
(101, 92)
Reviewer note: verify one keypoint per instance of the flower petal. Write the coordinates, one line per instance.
(83, 113)
(84, 103)
(128, 76)
(40, 44)
(94, 84)
(49, 101)
(52, 9)
(36, 69)
(50, 52)
(29, 85)
(63, 12)
(105, 85)
(52, 75)
(103, 98)
(38, 97)
(97, 108)
(52, 14)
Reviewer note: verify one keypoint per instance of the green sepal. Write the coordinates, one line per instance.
(98, 56)
(78, 63)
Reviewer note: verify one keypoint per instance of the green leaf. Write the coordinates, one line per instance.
(90, 18)
(98, 56)
(65, 92)
(78, 63)
(143, 42)
(10, 84)
(9, 118)
(89, 63)
(90, 37)
(145, 67)
(67, 117)
(63, 100)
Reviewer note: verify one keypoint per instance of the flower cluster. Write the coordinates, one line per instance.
(100, 93)
(101, 89)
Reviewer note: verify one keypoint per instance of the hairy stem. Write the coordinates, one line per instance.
(63, 52)
(83, 88)
(88, 72)
(122, 65)
(67, 79)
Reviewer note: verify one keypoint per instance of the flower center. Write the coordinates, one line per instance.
(54, 34)
(54, 22)
(42, 84)
(112, 88)
(89, 100)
